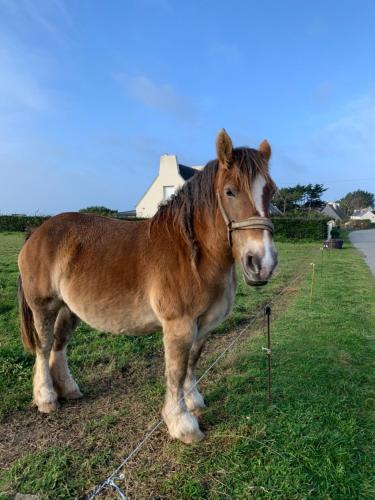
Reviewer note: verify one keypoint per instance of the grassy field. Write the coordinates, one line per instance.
(315, 441)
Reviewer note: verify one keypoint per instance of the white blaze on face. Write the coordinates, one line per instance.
(258, 187)
(268, 246)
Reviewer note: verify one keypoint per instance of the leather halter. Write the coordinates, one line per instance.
(256, 222)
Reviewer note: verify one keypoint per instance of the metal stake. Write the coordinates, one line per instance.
(312, 264)
(268, 351)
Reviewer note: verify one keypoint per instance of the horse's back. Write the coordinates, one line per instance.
(88, 227)
(71, 244)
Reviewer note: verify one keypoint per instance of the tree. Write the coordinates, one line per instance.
(99, 210)
(299, 197)
(283, 199)
(288, 198)
(313, 196)
(355, 200)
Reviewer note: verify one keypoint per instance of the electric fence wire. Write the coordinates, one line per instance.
(110, 480)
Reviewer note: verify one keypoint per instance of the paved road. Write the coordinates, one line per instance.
(365, 242)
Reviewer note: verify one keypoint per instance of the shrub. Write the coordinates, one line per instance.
(100, 210)
(359, 224)
(286, 228)
(20, 222)
(294, 228)
(335, 232)
(23, 223)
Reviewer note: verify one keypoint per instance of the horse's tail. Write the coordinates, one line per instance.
(28, 334)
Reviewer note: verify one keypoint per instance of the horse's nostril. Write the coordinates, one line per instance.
(249, 261)
(253, 263)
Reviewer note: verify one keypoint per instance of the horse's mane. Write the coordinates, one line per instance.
(197, 196)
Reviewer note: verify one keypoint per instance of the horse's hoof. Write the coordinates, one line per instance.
(183, 427)
(77, 394)
(192, 437)
(47, 407)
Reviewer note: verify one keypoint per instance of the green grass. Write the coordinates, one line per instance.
(315, 441)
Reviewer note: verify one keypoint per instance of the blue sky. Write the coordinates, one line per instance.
(93, 92)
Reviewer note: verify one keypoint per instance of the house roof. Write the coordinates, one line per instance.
(186, 172)
(335, 212)
(274, 210)
(362, 211)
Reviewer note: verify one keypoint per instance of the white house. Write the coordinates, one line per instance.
(172, 175)
(364, 214)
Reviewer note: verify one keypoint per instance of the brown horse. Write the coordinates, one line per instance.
(175, 271)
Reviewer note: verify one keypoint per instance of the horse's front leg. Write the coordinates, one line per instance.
(193, 398)
(178, 339)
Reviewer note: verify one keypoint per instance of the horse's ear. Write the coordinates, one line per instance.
(224, 148)
(265, 149)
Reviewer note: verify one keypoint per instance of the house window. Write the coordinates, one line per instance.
(167, 192)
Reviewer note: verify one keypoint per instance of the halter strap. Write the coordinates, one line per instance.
(255, 222)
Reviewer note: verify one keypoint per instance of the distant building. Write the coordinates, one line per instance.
(172, 175)
(274, 210)
(364, 214)
(128, 214)
(333, 211)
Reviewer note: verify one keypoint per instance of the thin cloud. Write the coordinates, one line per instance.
(20, 86)
(50, 16)
(351, 135)
(344, 148)
(161, 97)
(229, 52)
(24, 69)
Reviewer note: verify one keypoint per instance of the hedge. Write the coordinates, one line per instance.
(286, 228)
(20, 222)
(298, 228)
(359, 224)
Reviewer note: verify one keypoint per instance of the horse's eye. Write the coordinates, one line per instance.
(230, 192)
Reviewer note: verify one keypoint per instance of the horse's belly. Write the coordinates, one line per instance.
(125, 321)
(127, 316)
(128, 322)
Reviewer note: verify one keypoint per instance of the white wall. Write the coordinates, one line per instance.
(168, 176)
(366, 216)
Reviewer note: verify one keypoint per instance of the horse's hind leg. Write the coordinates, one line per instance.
(63, 381)
(178, 337)
(45, 396)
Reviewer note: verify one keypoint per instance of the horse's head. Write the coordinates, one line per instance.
(244, 190)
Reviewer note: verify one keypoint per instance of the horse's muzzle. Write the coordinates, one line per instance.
(254, 273)
(254, 279)
(255, 283)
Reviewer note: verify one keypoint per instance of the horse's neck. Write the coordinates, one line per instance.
(214, 259)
